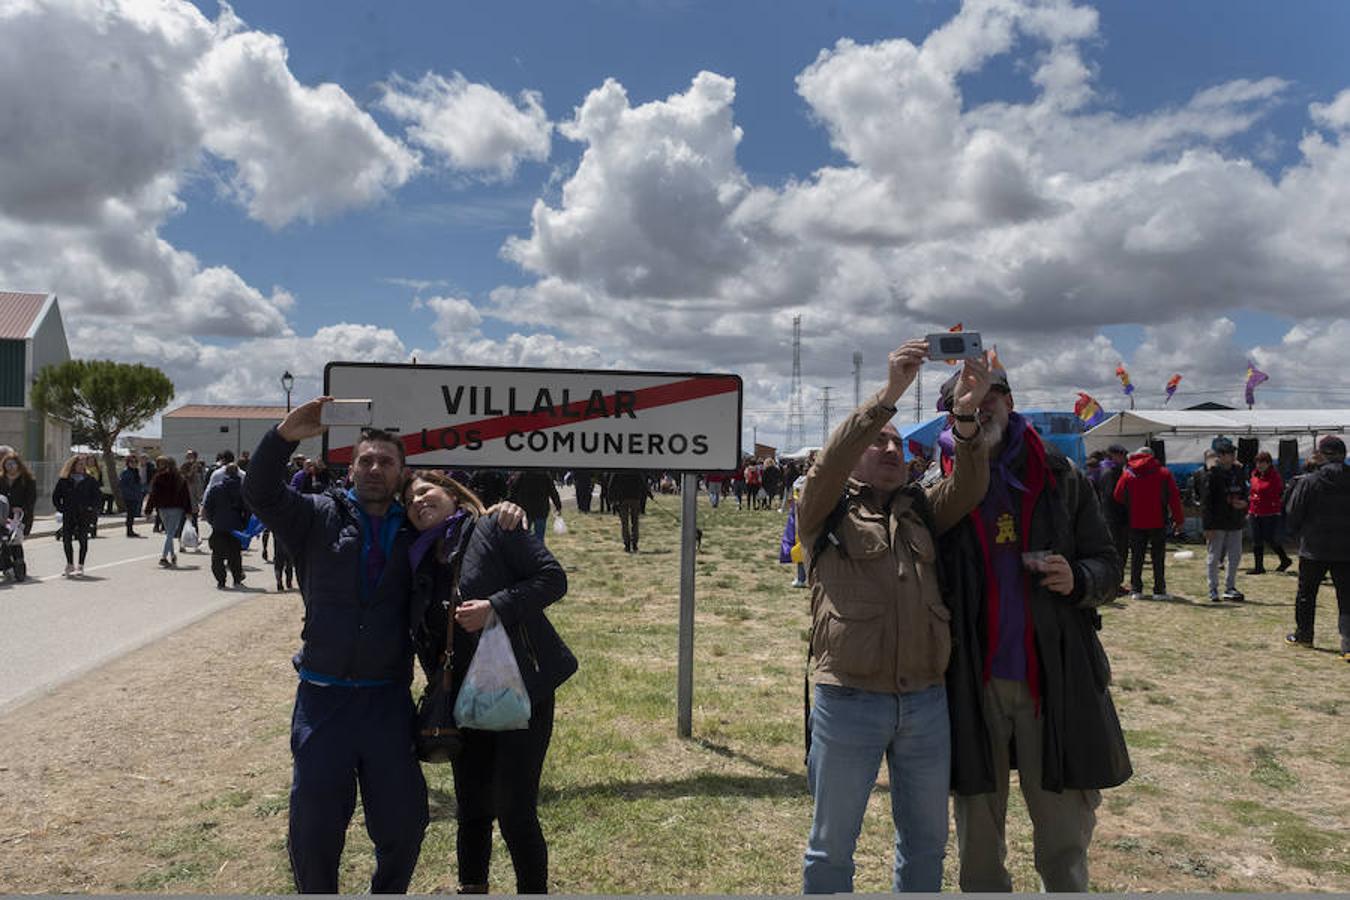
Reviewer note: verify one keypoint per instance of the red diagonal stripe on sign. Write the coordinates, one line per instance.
(500, 426)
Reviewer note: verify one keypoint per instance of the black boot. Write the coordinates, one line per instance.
(1260, 567)
(1285, 561)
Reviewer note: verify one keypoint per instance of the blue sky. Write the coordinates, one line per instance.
(1208, 252)
(1152, 55)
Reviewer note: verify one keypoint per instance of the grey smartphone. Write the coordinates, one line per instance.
(955, 345)
(347, 412)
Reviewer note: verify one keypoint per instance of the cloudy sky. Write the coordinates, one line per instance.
(227, 192)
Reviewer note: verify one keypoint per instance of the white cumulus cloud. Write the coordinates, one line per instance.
(470, 126)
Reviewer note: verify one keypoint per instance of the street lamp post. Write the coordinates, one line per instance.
(287, 382)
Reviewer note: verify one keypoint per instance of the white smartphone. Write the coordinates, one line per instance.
(347, 412)
(954, 345)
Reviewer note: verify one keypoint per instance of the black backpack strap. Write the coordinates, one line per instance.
(806, 706)
(827, 537)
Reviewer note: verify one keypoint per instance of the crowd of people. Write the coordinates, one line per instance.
(954, 612)
(1144, 507)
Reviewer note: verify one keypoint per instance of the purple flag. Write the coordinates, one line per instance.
(1254, 377)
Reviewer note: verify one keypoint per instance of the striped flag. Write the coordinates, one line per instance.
(1089, 410)
(1124, 379)
(1172, 387)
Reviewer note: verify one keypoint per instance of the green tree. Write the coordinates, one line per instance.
(101, 399)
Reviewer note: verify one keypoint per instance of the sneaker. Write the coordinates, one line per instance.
(1213, 598)
(173, 559)
(797, 583)
(1235, 596)
(220, 585)
(1137, 595)
(79, 569)
(69, 571)
(164, 562)
(239, 582)
(1293, 640)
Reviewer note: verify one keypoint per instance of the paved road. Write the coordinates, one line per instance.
(53, 628)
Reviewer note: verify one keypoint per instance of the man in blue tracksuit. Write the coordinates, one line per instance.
(353, 718)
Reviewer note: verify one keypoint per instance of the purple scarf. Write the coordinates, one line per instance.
(449, 529)
(1001, 476)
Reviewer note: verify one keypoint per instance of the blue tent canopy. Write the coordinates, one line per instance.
(1062, 430)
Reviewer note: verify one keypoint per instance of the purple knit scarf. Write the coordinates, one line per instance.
(448, 529)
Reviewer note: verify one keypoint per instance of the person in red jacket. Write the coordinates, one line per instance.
(1148, 491)
(1266, 499)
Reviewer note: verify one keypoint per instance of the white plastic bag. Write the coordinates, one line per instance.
(559, 526)
(493, 695)
(190, 540)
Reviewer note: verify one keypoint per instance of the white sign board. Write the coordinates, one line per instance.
(470, 416)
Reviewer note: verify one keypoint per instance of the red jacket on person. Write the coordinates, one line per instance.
(1144, 489)
(1267, 493)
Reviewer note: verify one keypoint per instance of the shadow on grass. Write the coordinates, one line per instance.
(702, 785)
(728, 753)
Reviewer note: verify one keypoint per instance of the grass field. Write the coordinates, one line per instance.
(160, 773)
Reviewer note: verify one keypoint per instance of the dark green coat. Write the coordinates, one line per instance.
(1084, 746)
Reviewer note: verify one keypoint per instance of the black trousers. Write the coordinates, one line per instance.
(1120, 536)
(1156, 541)
(225, 551)
(342, 737)
(1264, 531)
(281, 562)
(132, 513)
(75, 526)
(497, 777)
(1310, 575)
(628, 520)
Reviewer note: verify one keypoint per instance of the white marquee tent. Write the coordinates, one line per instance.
(1187, 432)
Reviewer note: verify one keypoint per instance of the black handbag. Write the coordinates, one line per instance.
(437, 739)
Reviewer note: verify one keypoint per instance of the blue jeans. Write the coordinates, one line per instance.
(172, 519)
(540, 527)
(850, 732)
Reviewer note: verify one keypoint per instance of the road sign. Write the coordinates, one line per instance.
(518, 418)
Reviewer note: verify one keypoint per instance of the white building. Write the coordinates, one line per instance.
(32, 336)
(211, 429)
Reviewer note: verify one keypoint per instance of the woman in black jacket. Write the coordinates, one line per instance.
(77, 498)
(18, 484)
(508, 576)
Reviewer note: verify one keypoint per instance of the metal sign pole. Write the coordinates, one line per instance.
(688, 557)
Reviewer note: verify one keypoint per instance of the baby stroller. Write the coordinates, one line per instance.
(11, 542)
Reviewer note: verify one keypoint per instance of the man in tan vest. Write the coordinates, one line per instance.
(880, 632)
